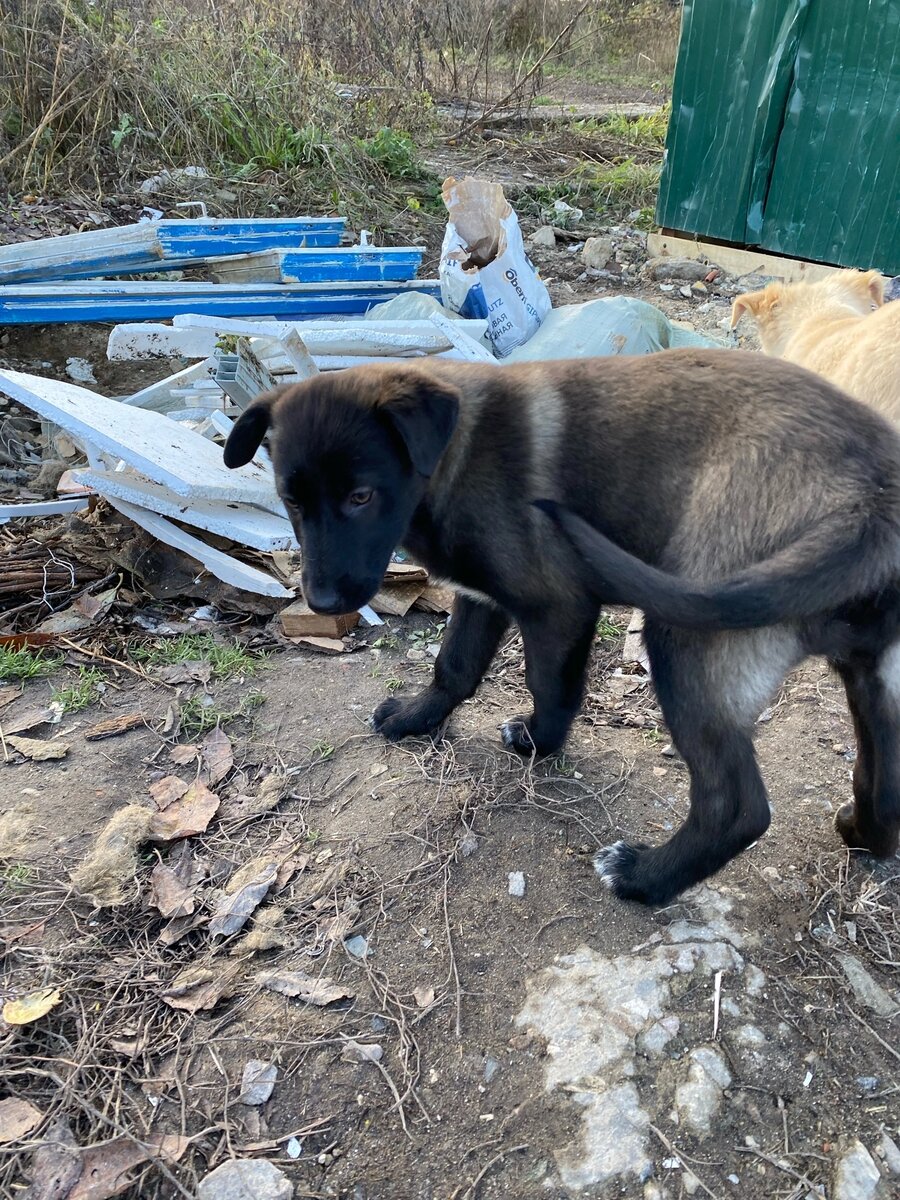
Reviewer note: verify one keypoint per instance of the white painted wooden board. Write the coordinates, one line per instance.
(223, 566)
(154, 445)
(249, 526)
(468, 348)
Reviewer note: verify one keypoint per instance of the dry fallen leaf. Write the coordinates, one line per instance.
(182, 755)
(186, 672)
(8, 694)
(357, 1052)
(233, 910)
(424, 996)
(106, 1169)
(31, 1007)
(288, 869)
(18, 1118)
(168, 895)
(56, 1165)
(216, 755)
(82, 614)
(198, 987)
(180, 927)
(186, 816)
(30, 719)
(320, 991)
(167, 790)
(38, 750)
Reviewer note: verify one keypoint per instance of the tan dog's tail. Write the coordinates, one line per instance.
(837, 561)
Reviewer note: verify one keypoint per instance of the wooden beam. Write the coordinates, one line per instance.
(735, 259)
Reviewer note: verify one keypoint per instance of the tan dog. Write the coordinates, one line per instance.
(829, 327)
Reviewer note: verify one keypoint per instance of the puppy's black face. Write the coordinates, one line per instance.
(352, 453)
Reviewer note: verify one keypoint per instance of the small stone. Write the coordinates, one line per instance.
(865, 988)
(681, 270)
(80, 370)
(867, 1083)
(668, 751)
(246, 1179)
(889, 1151)
(257, 1082)
(544, 236)
(516, 883)
(358, 946)
(856, 1176)
(491, 1067)
(293, 1148)
(597, 252)
(685, 291)
(699, 1096)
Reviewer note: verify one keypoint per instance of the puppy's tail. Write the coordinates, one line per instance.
(832, 565)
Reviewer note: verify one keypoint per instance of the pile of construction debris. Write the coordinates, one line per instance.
(155, 456)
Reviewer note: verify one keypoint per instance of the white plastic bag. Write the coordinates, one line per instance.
(484, 269)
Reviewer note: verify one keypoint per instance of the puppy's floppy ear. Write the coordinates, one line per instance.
(250, 429)
(424, 412)
(874, 282)
(748, 303)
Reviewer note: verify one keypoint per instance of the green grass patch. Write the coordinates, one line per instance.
(227, 659)
(81, 691)
(200, 714)
(26, 664)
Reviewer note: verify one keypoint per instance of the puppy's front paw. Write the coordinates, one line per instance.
(618, 866)
(878, 840)
(517, 736)
(388, 720)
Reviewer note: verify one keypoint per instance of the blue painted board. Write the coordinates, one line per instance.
(32, 304)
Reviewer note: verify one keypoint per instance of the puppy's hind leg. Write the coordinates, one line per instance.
(470, 642)
(710, 689)
(872, 821)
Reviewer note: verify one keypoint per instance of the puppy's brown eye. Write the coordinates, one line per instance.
(360, 497)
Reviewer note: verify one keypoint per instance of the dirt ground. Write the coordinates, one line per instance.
(556, 1043)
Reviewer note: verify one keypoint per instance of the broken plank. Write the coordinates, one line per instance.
(41, 508)
(230, 570)
(397, 599)
(240, 522)
(468, 348)
(162, 449)
(113, 726)
(162, 397)
(64, 303)
(317, 264)
(299, 620)
(437, 598)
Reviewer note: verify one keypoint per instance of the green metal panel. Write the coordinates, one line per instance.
(785, 129)
(835, 189)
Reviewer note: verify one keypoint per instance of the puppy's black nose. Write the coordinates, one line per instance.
(325, 601)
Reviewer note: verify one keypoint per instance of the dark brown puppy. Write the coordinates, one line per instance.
(709, 465)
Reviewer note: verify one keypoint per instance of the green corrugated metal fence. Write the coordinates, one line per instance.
(785, 129)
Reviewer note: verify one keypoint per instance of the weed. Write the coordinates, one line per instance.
(647, 131)
(607, 628)
(393, 684)
(199, 714)
(387, 641)
(227, 659)
(26, 664)
(321, 750)
(16, 876)
(421, 639)
(395, 153)
(82, 691)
